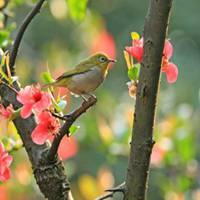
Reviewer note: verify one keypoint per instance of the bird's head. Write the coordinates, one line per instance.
(101, 60)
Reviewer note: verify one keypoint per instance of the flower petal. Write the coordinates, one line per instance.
(172, 73)
(44, 117)
(168, 49)
(5, 175)
(40, 134)
(136, 52)
(44, 103)
(24, 96)
(26, 110)
(6, 159)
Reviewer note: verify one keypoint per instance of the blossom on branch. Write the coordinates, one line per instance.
(33, 99)
(136, 50)
(169, 68)
(47, 126)
(5, 162)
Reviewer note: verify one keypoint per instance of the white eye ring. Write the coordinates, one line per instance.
(102, 59)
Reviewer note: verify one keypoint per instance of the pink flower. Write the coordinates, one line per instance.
(5, 162)
(6, 113)
(170, 69)
(136, 50)
(33, 98)
(47, 126)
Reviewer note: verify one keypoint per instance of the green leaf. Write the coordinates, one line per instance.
(133, 73)
(77, 9)
(73, 129)
(4, 35)
(46, 76)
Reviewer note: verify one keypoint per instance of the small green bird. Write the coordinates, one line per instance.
(86, 76)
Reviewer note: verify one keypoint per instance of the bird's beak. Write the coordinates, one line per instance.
(111, 60)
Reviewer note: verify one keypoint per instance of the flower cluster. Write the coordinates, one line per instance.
(169, 68)
(5, 162)
(33, 99)
(37, 101)
(47, 126)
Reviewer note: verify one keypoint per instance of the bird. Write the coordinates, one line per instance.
(86, 77)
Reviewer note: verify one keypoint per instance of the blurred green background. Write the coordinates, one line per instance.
(96, 157)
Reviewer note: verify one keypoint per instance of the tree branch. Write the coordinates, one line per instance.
(50, 177)
(69, 121)
(142, 136)
(20, 33)
(110, 192)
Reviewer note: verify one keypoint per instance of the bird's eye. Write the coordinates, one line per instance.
(102, 59)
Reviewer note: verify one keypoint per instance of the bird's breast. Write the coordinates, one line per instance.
(86, 82)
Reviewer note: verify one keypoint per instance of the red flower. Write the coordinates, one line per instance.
(33, 98)
(47, 126)
(136, 50)
(170, 69)
(104, 42)
(5, 113)
(5, 162)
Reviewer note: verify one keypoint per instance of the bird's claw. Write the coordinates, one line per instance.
(90, 97)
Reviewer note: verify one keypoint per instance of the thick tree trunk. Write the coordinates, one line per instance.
(50, 177)
(142, 141)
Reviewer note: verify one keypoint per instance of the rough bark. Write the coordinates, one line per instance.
(142, 135)
(50, 176)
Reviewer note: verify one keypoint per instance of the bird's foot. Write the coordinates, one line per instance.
(84, 98)
(88, 97)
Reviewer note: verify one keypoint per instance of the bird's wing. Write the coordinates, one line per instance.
(87, 64)
(72, 72)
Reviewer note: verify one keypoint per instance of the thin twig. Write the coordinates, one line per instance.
(105, 196)
(58, 116)
(20, 33)
(69, 121)
(112, 191)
